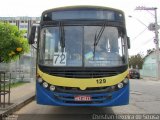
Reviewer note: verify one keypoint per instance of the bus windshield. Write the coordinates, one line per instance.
(78, 48)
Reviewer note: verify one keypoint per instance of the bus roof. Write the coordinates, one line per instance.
(81, 7)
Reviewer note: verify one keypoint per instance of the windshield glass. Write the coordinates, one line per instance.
(51, 53)
(79, 47)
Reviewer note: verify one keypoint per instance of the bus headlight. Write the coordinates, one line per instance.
(120, 85)
(45, 85)
(52, 88)
(125, 80)
(40, 80)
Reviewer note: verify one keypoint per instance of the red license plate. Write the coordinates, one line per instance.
(82, 98)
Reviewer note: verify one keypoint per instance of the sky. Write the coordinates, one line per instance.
(141, 38)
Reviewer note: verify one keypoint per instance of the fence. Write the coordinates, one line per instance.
(21, 70)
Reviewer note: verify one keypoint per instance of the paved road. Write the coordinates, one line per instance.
(146, 95)
(145, 98)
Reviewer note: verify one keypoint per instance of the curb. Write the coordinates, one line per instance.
(18, 105)
(150, 78)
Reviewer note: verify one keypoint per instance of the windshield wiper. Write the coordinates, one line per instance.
(62, 37)
(97, 38)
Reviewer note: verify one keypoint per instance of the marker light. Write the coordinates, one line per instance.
(40, 80)
(45, 85)
(52, 88)
(125, 80)
(120, 85)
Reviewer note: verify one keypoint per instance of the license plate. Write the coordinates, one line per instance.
(82, 98)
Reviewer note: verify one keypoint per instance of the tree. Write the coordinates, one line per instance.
(12, 42)
(136, 60)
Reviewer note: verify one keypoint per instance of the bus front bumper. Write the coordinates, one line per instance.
(116, 98)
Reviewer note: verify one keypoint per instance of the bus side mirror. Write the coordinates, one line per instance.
(128, 43)
(32, 35)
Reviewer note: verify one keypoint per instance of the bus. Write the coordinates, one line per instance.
(82, 57)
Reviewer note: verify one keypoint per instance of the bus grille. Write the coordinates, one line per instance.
(69, 99)
(86, 91)
(83, 72)
(87, 74)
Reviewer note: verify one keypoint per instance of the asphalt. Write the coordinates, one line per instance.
(20, 96)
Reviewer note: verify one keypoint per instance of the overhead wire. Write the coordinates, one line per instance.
(144, 44)
(140, 34)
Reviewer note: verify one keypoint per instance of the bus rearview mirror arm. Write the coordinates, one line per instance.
(128, 43)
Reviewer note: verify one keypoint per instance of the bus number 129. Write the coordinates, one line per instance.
(101, 81)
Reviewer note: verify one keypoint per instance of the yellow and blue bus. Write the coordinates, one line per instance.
(82, 57)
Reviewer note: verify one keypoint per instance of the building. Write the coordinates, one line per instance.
(149, 66)
(24, 68)
(23, 23)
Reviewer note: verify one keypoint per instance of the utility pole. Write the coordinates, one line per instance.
(154, 27)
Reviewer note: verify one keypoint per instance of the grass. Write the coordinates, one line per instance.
(17, 84)
(14, 85)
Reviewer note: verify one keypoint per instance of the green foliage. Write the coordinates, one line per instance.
(136, 60)
(12, 42)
